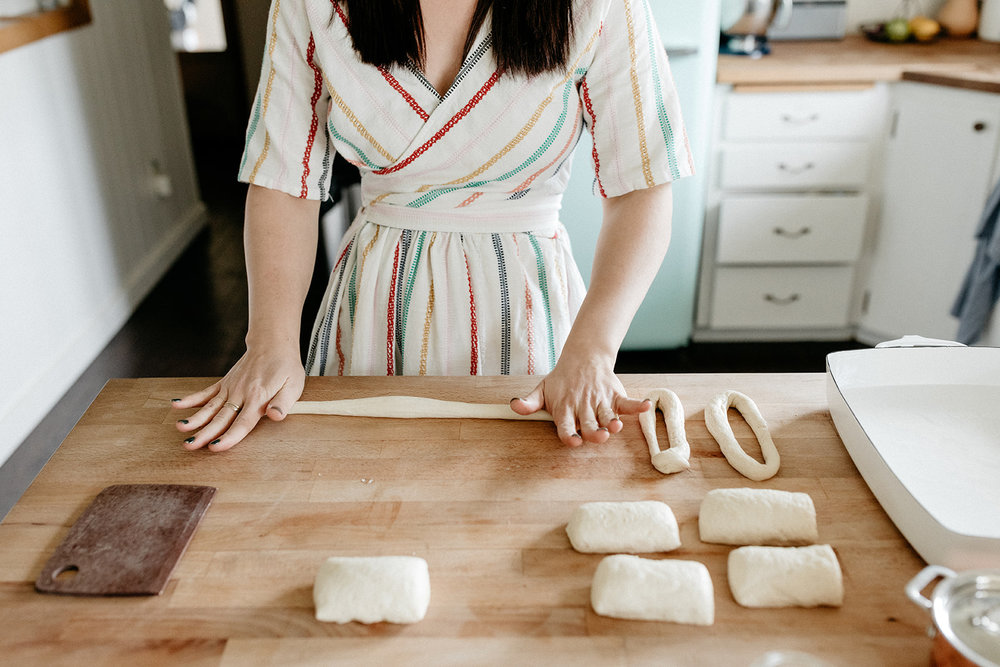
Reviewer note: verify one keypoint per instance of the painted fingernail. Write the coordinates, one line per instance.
(175, 400)
(515, 399)
(182, 421)
(604, 428)
(189, 441)
(216, 441)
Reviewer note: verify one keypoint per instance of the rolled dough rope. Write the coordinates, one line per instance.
(640, 526)
(717, 421)
(653, 590)
(758, 517)
(786, 576)
(678, 456)
(371, 589)
(674, 459)
(412, 407)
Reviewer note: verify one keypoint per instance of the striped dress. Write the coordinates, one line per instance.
(458, 263)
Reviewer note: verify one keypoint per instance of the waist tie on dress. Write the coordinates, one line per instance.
(537, 219)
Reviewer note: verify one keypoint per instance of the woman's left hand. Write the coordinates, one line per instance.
(582, 393)
(585, 399)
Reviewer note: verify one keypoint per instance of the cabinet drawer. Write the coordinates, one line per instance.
(806, 115)
(795, 166)
(791, 229)
(775, 298)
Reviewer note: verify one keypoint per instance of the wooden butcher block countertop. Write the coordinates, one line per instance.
(484, 502)
(962, 63)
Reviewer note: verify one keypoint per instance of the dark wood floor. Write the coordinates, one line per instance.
(193, 323)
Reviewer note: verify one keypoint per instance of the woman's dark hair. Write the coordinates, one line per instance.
(529, 36)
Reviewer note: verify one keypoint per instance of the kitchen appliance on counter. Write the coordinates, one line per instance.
(745, 24)
(921, 425)
(813, 19)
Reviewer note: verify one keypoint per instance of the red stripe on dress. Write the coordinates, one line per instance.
(593, 126)
(462, 113)
(406, 96)
(314, 125)
(340, 350)
(340, 12)
(474, 328)
(390, 363)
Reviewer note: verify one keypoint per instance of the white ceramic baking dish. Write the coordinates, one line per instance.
(922, 425)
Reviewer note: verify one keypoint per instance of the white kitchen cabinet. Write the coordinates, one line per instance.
(941, 162)
(787, 210)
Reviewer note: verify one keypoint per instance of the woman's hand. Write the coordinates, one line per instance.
(582, 393)
(261, 383)
(280, 235)
(585, 399)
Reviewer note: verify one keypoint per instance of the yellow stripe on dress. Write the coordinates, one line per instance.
(647, 171)
(426, 340)
(356, 122)
(267, 90)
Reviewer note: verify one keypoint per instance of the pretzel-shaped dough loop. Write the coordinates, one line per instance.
(717, 421)
(678, 456)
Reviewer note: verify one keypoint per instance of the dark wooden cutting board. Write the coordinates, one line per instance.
(127, 541)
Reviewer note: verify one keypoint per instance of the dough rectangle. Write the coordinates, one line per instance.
(757, 517)
(631, 587)
(641, 526)
(786, 576)
(372, 589)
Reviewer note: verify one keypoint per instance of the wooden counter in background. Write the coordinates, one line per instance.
(965, 63)
(484, 502)
(20, 30)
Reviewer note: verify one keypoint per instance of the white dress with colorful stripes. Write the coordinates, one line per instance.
(458, 263)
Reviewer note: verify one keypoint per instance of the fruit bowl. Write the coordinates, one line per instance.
(884, 33)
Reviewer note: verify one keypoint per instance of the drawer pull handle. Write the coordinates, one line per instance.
(791, 234)
(795, 171)
(800, 120)
(781, 301)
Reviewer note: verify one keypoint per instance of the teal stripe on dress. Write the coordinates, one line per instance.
(543, 285)
(361, 154)
(661, 110)
(553, 135)
(253, 129)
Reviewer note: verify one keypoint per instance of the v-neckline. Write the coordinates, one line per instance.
(480, 44)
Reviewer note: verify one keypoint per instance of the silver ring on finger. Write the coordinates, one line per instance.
(229, 404)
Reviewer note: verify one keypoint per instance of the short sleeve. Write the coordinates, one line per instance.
(631, 105)
(287, 145)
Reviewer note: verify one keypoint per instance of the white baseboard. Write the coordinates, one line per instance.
(39, 395)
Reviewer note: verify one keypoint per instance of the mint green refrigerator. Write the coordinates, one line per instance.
(690, 32)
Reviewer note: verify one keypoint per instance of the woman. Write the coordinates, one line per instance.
(462, 118)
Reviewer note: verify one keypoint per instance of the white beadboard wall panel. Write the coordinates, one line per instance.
(85, 237)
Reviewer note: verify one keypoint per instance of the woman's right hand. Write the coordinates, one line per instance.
(264, 382)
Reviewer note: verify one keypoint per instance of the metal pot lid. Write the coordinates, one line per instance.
(966, 610)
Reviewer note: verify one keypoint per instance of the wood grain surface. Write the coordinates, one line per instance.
(966, 63)
(484, 502)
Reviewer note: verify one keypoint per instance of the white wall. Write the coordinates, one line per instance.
(85, 117)
(874, 11)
